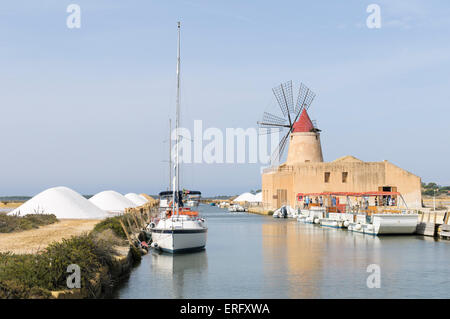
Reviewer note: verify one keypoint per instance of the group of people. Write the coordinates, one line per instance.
(379, 201)
(318, 200)
(385, 201)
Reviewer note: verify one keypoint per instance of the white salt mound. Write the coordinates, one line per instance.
(246, 197)
(137, 199)
(257, 198)
(111, 201)
(144, 198)
(61, 201)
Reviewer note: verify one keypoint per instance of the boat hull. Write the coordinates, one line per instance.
(180, 240)
(332, 223)
(395, 224)
(388, 224)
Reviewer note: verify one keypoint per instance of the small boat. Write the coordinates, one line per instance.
(333, 223)
(236, 208)
(312, 215)
(362, 218)
(281, 212)
(224, 205)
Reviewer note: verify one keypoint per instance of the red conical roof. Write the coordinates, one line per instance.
(304, 123)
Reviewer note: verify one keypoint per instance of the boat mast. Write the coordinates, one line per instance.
(177, 125)
(170, 154)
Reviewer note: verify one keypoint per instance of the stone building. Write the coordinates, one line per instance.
(305, 172)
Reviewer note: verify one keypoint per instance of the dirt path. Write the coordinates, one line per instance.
(33, 240)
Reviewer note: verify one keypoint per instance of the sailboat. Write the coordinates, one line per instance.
(178, 229)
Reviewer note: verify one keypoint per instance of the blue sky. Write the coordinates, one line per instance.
(88, 108)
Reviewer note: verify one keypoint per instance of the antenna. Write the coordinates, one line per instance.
(285, 121)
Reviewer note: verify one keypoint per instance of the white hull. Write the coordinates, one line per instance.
(180, 241)
(236, 208)
(333, 223)
(388, 224)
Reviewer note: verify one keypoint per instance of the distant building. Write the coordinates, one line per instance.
(305, 172)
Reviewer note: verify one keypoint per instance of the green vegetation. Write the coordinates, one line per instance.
(112, 223)
(34, 276)
(432, 189)
(10, 224)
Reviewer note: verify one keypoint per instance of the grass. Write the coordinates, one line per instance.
(112, 223)
(10, 224)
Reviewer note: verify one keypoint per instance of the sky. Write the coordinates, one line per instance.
(88, 108)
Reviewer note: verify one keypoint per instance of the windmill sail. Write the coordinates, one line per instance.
(283, 94)
(304, 99)
(290, 113)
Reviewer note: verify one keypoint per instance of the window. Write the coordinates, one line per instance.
(327, 177)
(344, 177)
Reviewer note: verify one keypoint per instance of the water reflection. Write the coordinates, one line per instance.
(250, 256)
(305, 257)
(294, 256)
(174, 268)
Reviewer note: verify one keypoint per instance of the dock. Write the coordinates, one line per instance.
(433, 223)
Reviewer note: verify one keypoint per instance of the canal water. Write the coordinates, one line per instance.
(252, 256)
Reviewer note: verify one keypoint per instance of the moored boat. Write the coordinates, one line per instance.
(178, 228)
(361, 217)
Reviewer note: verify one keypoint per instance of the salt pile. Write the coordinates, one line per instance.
(246, 197)
(111, 201)
(147, 198)
(137, 199)
(61, 201)
(257, 198)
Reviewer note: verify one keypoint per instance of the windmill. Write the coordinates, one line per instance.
(285, 121)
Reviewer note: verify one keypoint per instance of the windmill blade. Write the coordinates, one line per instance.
(283, 94)
(304, 99)
(278, 153)
(270, 120)
(267, 131)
